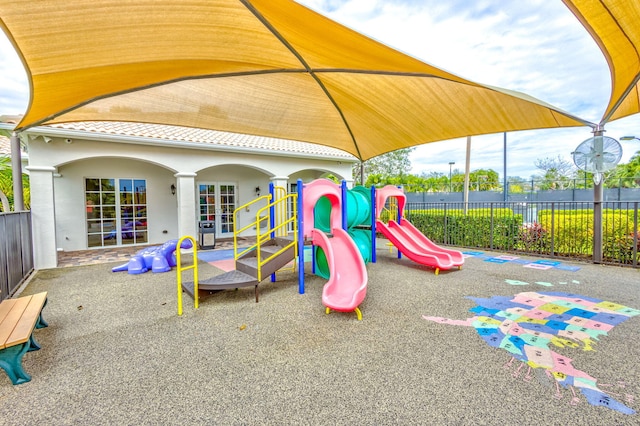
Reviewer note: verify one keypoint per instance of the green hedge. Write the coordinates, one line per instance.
(573, 233)
(471, 230)
(569, 234)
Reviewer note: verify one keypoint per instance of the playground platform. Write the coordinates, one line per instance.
(115, 352)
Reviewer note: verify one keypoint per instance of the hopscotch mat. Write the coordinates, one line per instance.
(542, 264)
(530, 326)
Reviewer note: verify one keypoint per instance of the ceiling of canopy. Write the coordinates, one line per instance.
(615, 26)
(266, 67)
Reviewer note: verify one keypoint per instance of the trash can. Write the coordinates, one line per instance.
(207, 231)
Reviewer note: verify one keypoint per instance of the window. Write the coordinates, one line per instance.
(116, 211)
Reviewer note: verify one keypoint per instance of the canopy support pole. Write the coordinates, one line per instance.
(16, 172)
(597, 210)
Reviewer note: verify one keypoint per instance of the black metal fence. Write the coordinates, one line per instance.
(520, 186)
(555, 229)
(16, 251)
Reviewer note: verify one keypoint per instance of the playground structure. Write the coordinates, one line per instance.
(340, 225)
(274, 248)
(342, 261)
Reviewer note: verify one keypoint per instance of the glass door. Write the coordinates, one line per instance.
(217, 202)
(116, 211)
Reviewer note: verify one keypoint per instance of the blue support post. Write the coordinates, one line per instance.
(343, 194)
(398, 217)
(374, 214)
(272, 218)
(300, 240)
(272, 209)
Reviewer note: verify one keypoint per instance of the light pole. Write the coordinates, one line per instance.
(451, 163)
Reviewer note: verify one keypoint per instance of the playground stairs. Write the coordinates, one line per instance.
(270, 258)
(274, 247)
(273, 256)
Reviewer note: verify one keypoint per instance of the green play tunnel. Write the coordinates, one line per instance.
(361, 237)
(322, 266)
(358, 209)
(358, 213)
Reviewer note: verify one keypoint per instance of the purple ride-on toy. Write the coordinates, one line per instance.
(157, 258)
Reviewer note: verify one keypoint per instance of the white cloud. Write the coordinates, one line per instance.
(536, 47)
(14, 93)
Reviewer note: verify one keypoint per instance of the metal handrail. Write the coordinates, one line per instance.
(279, 208)
(180, 268)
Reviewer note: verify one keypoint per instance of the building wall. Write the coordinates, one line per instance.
(71, 226)
(70, 161)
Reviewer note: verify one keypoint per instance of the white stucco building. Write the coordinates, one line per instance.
(99, 184)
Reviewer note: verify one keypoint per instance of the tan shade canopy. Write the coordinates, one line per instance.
(615, 26)
(262, 67)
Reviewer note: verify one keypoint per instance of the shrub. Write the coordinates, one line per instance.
(472, 230)
(533, 237)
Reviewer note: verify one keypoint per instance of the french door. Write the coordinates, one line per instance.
(116, 211)
(217, 202)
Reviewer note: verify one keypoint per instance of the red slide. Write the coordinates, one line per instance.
(413, 249)
(347, 285)
(456, 256)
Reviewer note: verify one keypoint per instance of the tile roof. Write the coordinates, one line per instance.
(208, 137)
(5, 146)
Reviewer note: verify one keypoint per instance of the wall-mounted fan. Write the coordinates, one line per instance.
(597, 155)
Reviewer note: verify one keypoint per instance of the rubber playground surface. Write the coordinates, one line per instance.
(498, 342)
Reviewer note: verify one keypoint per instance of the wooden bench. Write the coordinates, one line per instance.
(18, 318)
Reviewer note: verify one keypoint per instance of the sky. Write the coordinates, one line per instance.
(532, 46)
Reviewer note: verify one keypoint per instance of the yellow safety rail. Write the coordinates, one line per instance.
(283, 204)
(180, 268)
(285, 210)
(281, 209)
(391, 212)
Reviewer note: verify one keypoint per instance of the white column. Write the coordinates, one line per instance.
(282, 181)
(187, 207)
(281, 208)
(43, 217)
(16, 169)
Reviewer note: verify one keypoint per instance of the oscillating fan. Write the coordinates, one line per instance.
(597, 155)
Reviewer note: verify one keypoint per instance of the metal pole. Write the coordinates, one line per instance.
(467, 167)
(504, 187)
(16, 171)
(451, 163)
(597, 206)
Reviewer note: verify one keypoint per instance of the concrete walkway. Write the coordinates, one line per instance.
(115, 351)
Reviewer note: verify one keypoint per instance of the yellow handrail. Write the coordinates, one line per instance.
(392, 210)
(280, 204)
(180, 268)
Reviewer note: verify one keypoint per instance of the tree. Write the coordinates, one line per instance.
(485, 179)
(626, 175)
(6, 184)
(394, 163)
(434, 182)
(518, 185)
(556, 172)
